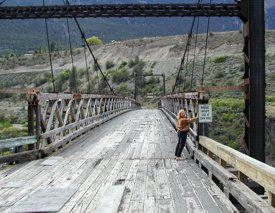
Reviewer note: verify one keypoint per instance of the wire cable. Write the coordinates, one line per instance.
(194, 58)
(87, 69)
(186, 66)
(2, 2)
(49, 50)
(187, 45)
(71, 51)
(206, 44)
(90, 50)
(182, 59)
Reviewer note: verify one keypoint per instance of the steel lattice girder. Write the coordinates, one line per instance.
(120, 10)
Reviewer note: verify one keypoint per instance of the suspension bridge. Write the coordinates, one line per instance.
(103, 153)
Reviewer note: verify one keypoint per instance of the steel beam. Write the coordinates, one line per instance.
(119, 10)
(257, 79)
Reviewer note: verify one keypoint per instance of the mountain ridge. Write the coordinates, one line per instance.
(22, 36)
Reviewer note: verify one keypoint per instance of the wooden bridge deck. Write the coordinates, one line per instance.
(134, 150)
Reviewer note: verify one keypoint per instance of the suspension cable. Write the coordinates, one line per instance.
(194, 57)
(71, 51)
(186, 67)
(87, 69)
(196, 39)
(98, 81)
(49, 51)
(90, 50)
(2, 2)
(182, 59)
(206, 44)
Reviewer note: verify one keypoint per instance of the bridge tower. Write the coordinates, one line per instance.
(254, 77)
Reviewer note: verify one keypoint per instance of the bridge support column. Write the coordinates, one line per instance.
(254, 78)
(30, 123)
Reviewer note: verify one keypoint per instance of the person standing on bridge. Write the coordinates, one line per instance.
(182, 125)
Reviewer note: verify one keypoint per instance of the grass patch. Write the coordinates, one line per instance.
(220, 59)
(12, 132)
(270, 98)
(5, 124)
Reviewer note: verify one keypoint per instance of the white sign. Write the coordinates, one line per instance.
(205, 113)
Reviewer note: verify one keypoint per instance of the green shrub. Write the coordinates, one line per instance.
(122, 64)
(220, 74)
(73, 80)
(109, 64)
(94, 41)
(139, 68)
(120, 75)
(272, 76)
(233, 145)
(220, 59)
(12, 132)
(123, 90)
(40, 81)
(5, 124)
(134, 62)
(269, 98)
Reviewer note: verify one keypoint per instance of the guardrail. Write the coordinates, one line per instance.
(55, 119)
(245, 166)
(221, 163)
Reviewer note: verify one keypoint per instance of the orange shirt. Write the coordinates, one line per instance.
(183, 124)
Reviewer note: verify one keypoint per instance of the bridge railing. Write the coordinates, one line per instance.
(244, 166)
(233, 171)
(55, 119)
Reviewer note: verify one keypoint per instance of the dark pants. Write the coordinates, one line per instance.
(181, 142)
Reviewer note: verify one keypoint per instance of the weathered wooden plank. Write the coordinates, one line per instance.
(184, 196)
(161, 181)
(220, 198)
(256, 170)
(51, 161)
(139, 144)
(150, 204)
(85, 200)
(46, 175)
(111, 199)
(21, 157)
(108, 182)
(138, 195)
(205, 198)
(246, 197)
(104, 159)
(44, 200)
(129, 184)
(37, 176)
(83, 188)
(164, 197)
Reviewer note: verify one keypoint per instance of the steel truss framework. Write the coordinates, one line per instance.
(62, 117)
(250, 12)
(120, 10)
(56, 119)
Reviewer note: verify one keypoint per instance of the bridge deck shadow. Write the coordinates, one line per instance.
(135, 150)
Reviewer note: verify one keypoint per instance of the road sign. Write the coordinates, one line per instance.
(205, 113)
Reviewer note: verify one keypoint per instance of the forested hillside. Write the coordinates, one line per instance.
(26, 35)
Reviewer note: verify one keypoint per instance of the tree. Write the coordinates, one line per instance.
(94, 41)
